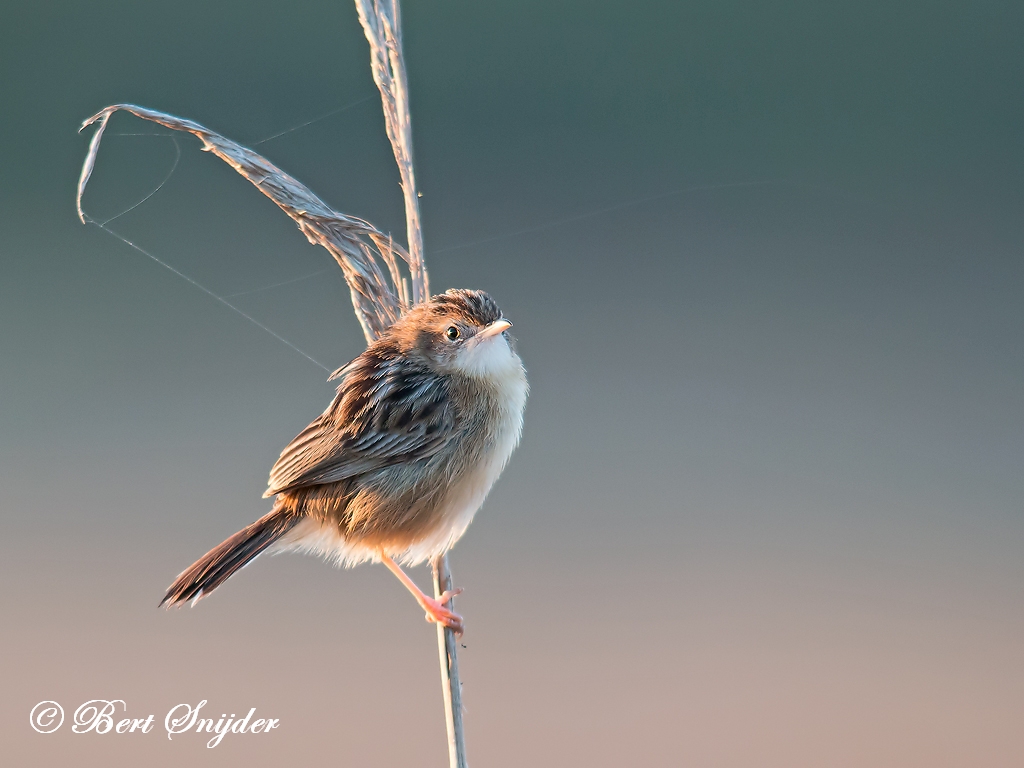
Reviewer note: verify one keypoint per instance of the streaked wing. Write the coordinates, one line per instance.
(387, 411)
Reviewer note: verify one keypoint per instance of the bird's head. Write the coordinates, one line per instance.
(459, 331)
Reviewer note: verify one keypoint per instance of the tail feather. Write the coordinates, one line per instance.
(213, 568)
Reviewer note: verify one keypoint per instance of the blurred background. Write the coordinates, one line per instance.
(765, 268)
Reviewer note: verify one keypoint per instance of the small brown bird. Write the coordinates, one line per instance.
(394, 470)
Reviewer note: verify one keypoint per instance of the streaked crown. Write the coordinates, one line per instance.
(474, 307)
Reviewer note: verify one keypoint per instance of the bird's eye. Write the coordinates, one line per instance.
(452, 333)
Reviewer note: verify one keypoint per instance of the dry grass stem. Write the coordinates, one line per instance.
(382, 23)
(354, 243)
(451, 685)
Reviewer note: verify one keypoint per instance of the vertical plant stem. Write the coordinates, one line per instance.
(382, 24)
(451, 687)
(381, 21)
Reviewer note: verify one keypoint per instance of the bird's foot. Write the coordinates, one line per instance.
(437, 613)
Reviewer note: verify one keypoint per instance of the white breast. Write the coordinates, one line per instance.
(494, 363)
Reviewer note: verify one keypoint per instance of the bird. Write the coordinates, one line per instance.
(393, 471)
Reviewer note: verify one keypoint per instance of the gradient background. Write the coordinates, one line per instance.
(765, 266)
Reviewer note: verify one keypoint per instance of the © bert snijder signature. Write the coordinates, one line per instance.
(100, 716)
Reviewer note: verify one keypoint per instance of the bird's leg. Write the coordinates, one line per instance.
(435, 609)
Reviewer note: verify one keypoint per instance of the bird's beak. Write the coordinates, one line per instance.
(494, 328)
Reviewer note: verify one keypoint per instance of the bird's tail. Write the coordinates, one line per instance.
(213, 568)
